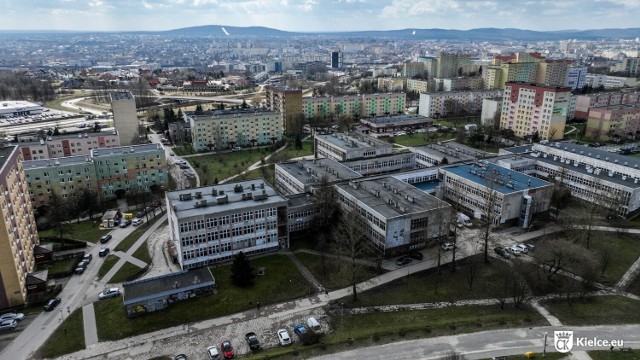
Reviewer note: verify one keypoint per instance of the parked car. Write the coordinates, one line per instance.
(51, 304)
(313, 324)
(213, 353)
(447, 246)
(252, 341)
(416, 255)
(180, 357)
(283, 337)
(8, 324)
(12, 316)
(103, 252)
(109, 293)
(515, 250)
(530, 246)
(81, 267)
(125, 223)
(403, 261)
(299, 330)
(227, 349)
(105, 238)
(141, 214)
(237, 148)
(502, 252)
(523, 248)
(137, 222)
(87, 258)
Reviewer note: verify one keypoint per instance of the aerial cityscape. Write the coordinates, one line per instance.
(301, 179)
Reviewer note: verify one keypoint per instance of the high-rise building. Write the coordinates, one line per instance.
(18, 234)
(615, 121)
(125, 119)
(529, 108)
(354, 106)
(411, 69)
(336, 59)
(552, 72)
(288, 102)
(576, 77)
(448, 103)
(450, 65)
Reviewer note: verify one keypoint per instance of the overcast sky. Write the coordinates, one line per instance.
(317, 15)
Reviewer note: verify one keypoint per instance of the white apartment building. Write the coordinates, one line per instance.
(490, 107)
(576, 77)
(592, 175)
(213, 223)
(528, 109)
(397, 216)
(350, 146)
(513, 196)
(443, 103)
(222, 129)
(125, 118)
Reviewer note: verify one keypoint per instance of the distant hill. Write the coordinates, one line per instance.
(415, 33)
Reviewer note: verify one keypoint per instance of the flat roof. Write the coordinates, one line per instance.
(5, 154)
(397, 120)
(353, 140)
(453, 150)
(209, 114)
(311, 171)
(164, 285)
(395, 156)
(79, 135)
(11, 104)
(121, 95)
(496, 177)
(126, 149)
(389, 196)
(184, 201)
(54, 162)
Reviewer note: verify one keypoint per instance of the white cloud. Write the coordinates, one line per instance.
(308, 5)
(204, 2)
(403, 8)
(147, 5)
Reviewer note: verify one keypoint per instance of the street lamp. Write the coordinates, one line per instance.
(544, 350)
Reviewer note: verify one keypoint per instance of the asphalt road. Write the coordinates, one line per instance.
(489, 344)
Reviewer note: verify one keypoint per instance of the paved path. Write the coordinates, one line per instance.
(89, 322)
(128, 258)
(628, 276)
(305, 272)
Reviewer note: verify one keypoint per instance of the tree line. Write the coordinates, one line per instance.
(19, 86)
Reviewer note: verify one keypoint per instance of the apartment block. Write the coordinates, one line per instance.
(18, 233)
(610, 82)
(66, 176)
(350, 146)
(224, 129)
(68, 145)
(445, 103)
(615, 121)
(528, 109)
(459, 83)
(491, 192)
(552, 72)
(576, 77)
(286, 101)
(450, 65)
(420, 86)
(354, 106)
(383, 104)
(302, 176)
(587, 101)
(491, 107)
(212, 224)
(125, 118)
(411, 69)
(392, 84)
(397, 217)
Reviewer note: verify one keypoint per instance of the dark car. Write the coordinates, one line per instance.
(103, 252)
(180, 357)
(125, 223)
(416, 255)
(81, 267)
(403, 261)
(105, 238)
(51, 304)
(252, 340)
(87, 258)
(227, 349)
(502, 252)
(141, 214)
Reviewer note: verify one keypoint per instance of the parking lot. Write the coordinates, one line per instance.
(7, 336)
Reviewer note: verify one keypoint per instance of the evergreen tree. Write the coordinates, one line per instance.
(242, 273)
(298, 142)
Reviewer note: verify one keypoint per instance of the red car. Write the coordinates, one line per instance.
(227, 349)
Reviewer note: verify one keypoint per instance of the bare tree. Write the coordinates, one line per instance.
(350, 241)
(489, 215)
(561, 255)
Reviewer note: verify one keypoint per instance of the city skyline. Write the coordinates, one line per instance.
(312, 15)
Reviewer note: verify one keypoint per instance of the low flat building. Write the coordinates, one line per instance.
(301, 210)
(387, 125)
(212, 224)
(158, 293)
(350, 146)
(397, 216)
(298, 177)
(382, 164)
(11, 108)
(513, 196)
(446, 153)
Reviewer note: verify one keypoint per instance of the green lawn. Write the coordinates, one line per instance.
(380, 328)
(419, 139)
(429, 286)
(142, 253)
(623, 250)
(67, 338)
(613, 355)
(634, 286)
(87, 230)
(64, 266)
(266, 172)
(57, 103)
(107, 264)
(222, 166)
(291, 152)
(128, 242)
(125, 273)
(282, 282)
(598, 310)
(334, 274)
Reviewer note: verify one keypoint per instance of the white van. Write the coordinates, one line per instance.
(313, 324)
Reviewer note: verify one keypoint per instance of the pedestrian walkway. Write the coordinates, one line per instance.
(305, 272)
(89, 322)
(135, 261)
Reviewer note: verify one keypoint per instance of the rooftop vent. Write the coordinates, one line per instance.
(185, 197)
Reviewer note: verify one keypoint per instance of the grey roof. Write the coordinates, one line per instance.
(614, 158)
(54, 162)
(298, 200)
(309, 172)
(209, 114)
(184, 201)
(5, 154)
(495, 177)
(126, 149)
(461, 149)
(354, 140)
(121, 95)
(517, 149)
(165, 285)
(391, 197)
(70, 136)
(397, 120)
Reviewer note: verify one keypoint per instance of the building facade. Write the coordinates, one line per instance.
(302, 176)
(354, 106)
(387, 125)
(350, 146)
(224, 129)
(383, 164)
(528, 109)
(125, 118)
(446, 103)
(616, 121)
(286, 101)
(212, 224)
(18, 233)
(67, 177)
(68, 145)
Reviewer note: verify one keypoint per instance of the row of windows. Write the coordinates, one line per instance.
(226, 220)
